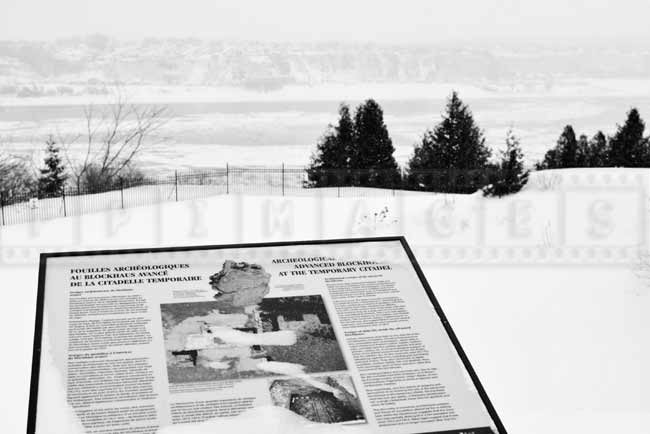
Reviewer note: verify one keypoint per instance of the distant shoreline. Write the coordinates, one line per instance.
(161, 94)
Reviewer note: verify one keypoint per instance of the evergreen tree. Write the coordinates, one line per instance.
(565, 152)
(345, 134)
(568, 147)
(328, 163)
(550, 161)
(455, 143)
(628, 147)
(583, 151)
(598, 155)
(52, 178)
(371, 156)
(511, 175)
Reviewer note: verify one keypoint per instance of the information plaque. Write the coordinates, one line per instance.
(343, 335)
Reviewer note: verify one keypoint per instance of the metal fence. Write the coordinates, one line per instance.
(194, 184)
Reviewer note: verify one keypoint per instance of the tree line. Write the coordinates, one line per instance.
(628, 147)
(453, 155)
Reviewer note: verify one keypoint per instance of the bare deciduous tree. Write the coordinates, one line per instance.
(113, 137)
(17, 176)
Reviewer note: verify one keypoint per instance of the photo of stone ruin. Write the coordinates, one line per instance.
(243, 334)
(322, 399)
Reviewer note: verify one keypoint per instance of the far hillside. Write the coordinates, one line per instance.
(87, 64)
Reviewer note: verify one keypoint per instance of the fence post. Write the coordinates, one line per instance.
(65, 211)
(2, 206)
(338, 182)
(227, 179)
(122, 192)
(338, 188)
(282, 179)
(176, 183)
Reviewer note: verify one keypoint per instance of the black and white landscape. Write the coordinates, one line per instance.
(505, 139)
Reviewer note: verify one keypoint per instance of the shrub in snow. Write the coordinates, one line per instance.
(546, 181)
(17, 178)
(96, 180)
(510, 175)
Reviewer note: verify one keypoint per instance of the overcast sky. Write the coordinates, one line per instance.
(396, 21)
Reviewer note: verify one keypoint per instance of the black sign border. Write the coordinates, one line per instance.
(40, 303)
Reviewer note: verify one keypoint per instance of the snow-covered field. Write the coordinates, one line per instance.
(548, 290)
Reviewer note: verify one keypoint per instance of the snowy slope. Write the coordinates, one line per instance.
(548, 290)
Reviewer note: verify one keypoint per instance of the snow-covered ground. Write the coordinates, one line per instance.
(548, 290)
